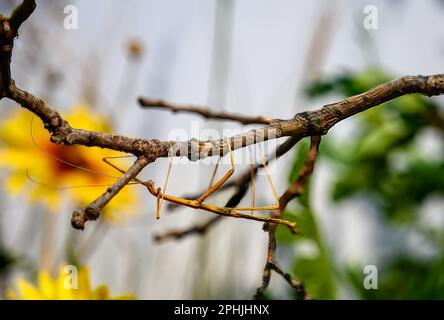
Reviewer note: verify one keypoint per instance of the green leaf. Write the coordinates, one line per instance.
(312, 265)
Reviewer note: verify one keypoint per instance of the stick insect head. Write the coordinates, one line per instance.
(151, 187)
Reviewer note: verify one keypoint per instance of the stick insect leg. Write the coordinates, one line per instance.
(160, 194)
(221, 181)
(214, 173)
(273, 188)
(108, 162)
(251, 178)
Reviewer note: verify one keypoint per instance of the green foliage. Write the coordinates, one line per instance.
(314, 269)
(6, 261)
(405, 278)
(348, 84)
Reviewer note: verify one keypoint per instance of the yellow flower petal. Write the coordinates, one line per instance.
(58, 288)
(46, 285)
(27, 291)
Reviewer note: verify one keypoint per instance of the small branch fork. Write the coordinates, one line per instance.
(293, 191)
(306, 124)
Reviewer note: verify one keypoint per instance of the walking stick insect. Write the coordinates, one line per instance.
(198, 203)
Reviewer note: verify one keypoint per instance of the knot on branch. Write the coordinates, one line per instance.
(60, 129)
(313, 122)
(435, 85)
(194, 147)
(8, 34)
(80, 217)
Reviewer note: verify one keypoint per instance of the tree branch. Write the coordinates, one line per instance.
(22, 13)
(202, 111)
(293, 191)
(303, 124)
(8, 31)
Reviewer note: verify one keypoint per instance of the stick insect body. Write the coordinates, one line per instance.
(231, 212)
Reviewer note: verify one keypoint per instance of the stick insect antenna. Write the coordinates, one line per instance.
(161, 195)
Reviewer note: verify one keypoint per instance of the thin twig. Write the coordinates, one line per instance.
(294, 190)
(202, 111)
(297, 187)
(179, 234)
(92, 211)
(295, 284)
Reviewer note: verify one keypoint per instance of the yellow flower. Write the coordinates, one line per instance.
(29, 163)
(67, 286)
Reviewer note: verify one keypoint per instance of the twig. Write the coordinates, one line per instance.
(295, 284)
(22, 13)
(297, 187)
(293, 191)
(179, 234)
(8, 31)
(92, 211)
(202, 111)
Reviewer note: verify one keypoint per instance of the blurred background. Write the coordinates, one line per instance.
(376, 196)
